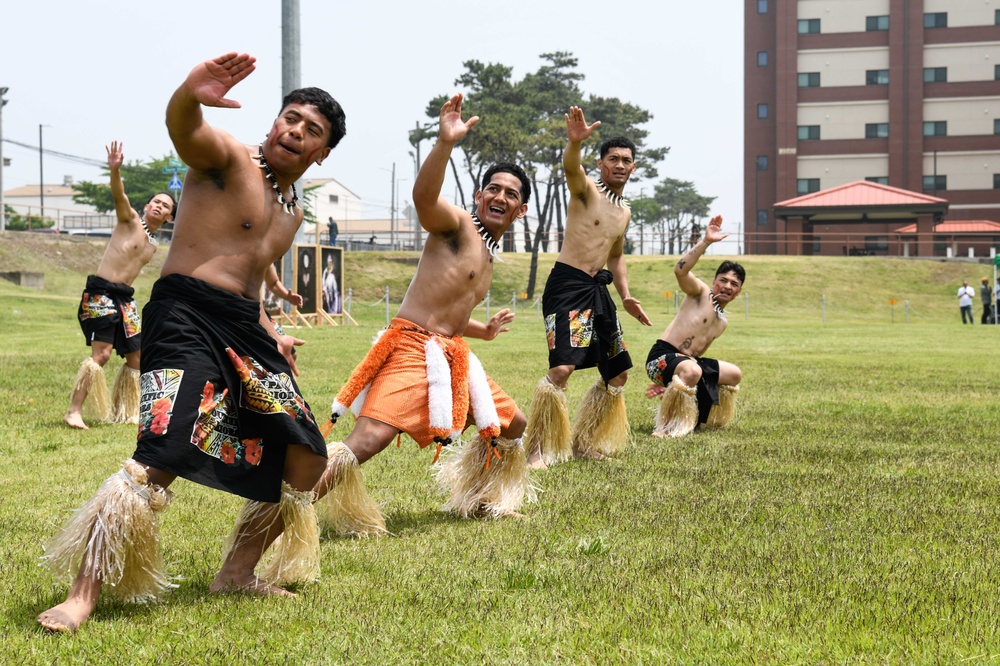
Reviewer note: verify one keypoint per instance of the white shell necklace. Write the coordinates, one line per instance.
(287, 205)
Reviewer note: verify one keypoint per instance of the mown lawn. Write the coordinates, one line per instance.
(849, 515)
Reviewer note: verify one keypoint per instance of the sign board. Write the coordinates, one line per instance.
(175, 183)
(174, 165)
(996, 260)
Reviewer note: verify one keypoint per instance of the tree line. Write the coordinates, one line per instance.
(522, 121)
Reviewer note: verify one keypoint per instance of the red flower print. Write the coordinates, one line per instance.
(228, 454)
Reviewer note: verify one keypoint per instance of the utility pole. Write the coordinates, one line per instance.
(291, 77)
(41, 178)
(3, 213)
(392, 210)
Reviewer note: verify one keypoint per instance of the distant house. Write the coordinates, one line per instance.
(327, 197)
(58, 206)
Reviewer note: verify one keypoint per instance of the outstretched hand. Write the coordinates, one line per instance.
(634, 308)
(451, 127)
(115, 155)
(714, 232)
(294, 299)
(497, 323)
(211, 80)
(287, 345)
(577, 129)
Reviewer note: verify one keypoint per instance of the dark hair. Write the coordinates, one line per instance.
(511, 168)
(617, 142)
(731, 266)
(173, 202)
(326, 105)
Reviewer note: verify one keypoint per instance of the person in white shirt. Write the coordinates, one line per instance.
(965, 296)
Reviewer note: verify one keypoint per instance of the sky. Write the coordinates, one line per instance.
(91, 72)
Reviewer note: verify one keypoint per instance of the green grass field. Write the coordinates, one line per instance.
(850, 514)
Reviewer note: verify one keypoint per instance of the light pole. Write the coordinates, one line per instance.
(416, 172)
(41, 176)
(3, 211)
(392, 210)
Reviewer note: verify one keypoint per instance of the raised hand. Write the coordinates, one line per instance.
(497, 323)
(714, 232)
(452, 128)
(577, 129)
(115, 155)
(211, 80)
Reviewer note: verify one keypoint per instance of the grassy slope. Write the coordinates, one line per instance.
(850, 513)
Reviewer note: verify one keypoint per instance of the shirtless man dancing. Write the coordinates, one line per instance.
(219, 405)
(108, 314)
(703, 390)
(581, 322)
(420, 376)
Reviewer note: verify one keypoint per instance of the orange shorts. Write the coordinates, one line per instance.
(398, 393)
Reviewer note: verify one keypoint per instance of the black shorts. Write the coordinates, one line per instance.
(108, 313)
(662, 362)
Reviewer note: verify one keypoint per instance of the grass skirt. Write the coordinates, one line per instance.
(601, 420)
(294, 556)
(483, 479)
(90, 376)
(548, 430)
(347, 507)
(125, 396)
(723, 413)
(678, 412)
(113, 537)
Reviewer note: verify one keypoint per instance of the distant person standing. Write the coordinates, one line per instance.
(965, 296)
(986, 294)
(331, 228)
(108, 314)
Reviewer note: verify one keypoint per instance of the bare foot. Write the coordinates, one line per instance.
(654, 390)
(657, 433)
(66, 617)
(75, 420)
(590, 453)
(535, 461)
(252, 585)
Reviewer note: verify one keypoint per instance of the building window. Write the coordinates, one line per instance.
(761, 6)
(877, 77)
(761, 217)
(809, 80)
(881, 180)
(935, 74)
(936, 128)
(876, 130)
(807, 185)
(935, 183)
(996, 17)
(996, 181)
(996, 125)
(808, 132)
(762, 110)
(873, 23)
(762, 163)
(762, 58)
(877, 244)
(996, 71)
(808, 26)
(334, 198)
(936, 20)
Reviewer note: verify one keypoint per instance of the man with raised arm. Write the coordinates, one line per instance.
(420, 376)
(702, 390)
(581, 321)
(219, 404)
(108, 314)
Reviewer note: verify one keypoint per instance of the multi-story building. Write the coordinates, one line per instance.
(904, 93)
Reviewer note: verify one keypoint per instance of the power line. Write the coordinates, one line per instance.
(55, 153)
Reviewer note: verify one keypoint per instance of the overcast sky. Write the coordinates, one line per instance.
(95, 71)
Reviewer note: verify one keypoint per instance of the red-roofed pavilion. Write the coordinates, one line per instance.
(859, 218)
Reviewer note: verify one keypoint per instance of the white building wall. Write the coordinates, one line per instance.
(844, 120)
(963, 13)
(968, 170)
(842, 67)
(965, 62)
(834, 170)
(842, 15)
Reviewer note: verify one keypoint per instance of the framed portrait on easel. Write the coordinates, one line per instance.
(307, 278)
(332, 280)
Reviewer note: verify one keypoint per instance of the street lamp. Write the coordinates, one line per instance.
(41, 175)
(3, 211)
